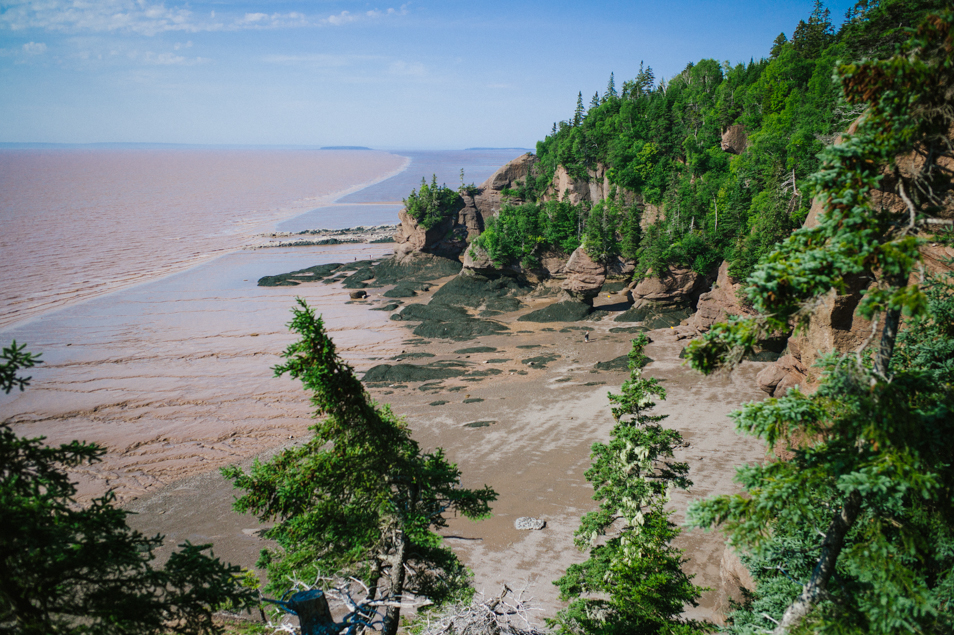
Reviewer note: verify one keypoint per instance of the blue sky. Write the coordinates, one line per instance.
(425, 74)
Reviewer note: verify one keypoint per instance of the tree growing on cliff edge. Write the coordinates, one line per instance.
(871, 470)
(68, 569)
(433, 203)
(633, 582)
(359, 497)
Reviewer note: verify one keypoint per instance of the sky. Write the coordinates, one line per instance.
(424, 74)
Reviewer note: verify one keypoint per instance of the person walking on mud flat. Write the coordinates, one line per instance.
(586, 336)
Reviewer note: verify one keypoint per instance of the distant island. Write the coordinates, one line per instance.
(485, 149)
(344, 148)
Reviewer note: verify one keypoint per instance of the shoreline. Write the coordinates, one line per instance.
(292, 211)
(526, 431)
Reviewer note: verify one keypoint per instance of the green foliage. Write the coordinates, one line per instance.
(73, 569)
(12, 359)
(632, 581)
(518, 232)
(661, 145)
(867, 467)
(359, 497)
(433, 203)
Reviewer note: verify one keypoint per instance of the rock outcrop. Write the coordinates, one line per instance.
(834, 324)
(782, 376)
(676, 287)
(584, 276)
(450, 237)
(411, 237)
(719, 303)
(735, 140)
(594, 188)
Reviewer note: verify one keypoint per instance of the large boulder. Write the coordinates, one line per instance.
(735, 140)
(780, 377)
(719, 303)
(676, 287)
(584, 276)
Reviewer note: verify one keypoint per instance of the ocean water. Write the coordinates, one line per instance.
(157, 343)
(79, 224)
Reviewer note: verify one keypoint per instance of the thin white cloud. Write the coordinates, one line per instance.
(320, 60)
(151, 18)
(34, 48)
(415, 69)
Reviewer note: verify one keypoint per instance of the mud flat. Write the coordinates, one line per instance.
(517, 409)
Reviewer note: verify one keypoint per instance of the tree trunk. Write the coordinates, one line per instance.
(313, 613)
(392, 617)
(831, 548)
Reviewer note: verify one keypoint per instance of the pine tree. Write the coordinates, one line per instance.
(633, 581)
(80, 569)
(866, 468)
(578, 113)
(360, 497)
(595, 102)
(610, 89)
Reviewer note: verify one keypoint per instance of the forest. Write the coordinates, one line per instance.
(682, 199)
(847, 527)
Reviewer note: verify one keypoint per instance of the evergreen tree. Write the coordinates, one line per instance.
(867, 466)
(359, 497)
(595, 102)
(80, 569)
(578, 113)
(610, 89)
(633, 582)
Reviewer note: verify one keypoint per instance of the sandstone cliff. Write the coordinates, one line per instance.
(450, 237)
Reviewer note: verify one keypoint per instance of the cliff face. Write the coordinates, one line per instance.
(834, 324)
(450, 237)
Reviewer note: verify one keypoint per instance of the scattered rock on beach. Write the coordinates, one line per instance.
(566, 311)
(357, 295)
(529, 523)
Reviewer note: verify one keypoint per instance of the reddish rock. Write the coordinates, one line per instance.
(584, 276)
(718, 304)
(675, 286)
(780, 377)
(734, 140)
(412, 237)
(488, 199)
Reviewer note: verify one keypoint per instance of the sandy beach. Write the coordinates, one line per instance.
(535, 427)
(174, 379)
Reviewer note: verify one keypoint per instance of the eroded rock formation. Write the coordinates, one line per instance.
(735, 140)
(584, 276)
(718, 304)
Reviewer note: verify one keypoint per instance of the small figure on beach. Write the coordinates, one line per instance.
(586, 336)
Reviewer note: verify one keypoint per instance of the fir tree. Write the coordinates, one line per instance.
(359, 497)
(633, 581)
(578, 113)
(610, 89)
(867, 468)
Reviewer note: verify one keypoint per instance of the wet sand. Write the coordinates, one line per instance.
(534, 453)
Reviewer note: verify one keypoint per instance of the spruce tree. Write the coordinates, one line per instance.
(610, 89)
(632, 582)
(359, 497)
(578, 113)
(864, 465)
